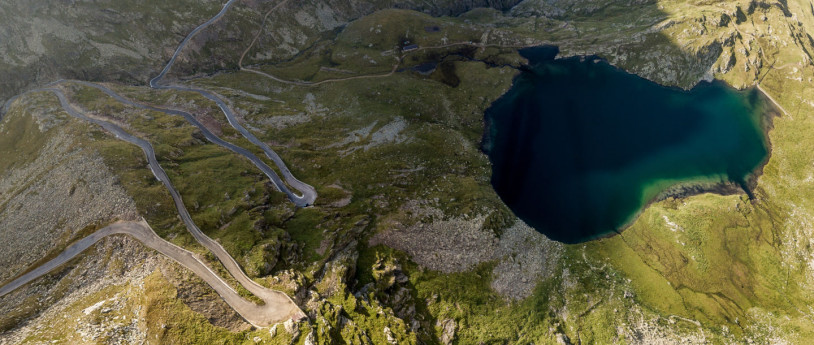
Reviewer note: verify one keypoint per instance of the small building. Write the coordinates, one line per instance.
(409, 48)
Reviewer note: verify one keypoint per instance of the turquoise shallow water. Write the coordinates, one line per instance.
(579, 147)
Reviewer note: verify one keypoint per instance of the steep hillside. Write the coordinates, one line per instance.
(407, 241)
(124, 41)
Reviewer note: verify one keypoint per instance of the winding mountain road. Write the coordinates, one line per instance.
(154, 83)
(276, 309)
(308, 193)
(270, 173)
(276, 301)
(277, 305)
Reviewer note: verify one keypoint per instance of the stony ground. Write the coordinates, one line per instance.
(407, 242)
(50, 199)
(95, 299)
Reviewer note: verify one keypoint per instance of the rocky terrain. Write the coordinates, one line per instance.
(96, 299)
(53, 189)
(407, 242)
(45, 40)
(523, 256)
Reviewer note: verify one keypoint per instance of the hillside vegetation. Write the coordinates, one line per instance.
(407, 241)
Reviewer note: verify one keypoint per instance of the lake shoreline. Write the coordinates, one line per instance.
(689, 189)
(763, 112)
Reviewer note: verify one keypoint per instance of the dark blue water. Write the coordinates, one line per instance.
(579, 147)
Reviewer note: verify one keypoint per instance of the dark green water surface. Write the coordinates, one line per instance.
(579, 147)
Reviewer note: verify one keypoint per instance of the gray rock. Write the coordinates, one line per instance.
(448, 328)
(310, 339)
(389, 336)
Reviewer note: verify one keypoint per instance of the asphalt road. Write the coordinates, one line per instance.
(308, 193)
(275, 299)
(270, 173)
(154, 82)
(278, 307)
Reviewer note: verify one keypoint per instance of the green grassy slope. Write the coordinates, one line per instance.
(707, 268)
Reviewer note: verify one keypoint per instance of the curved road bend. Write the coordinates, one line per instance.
(154, 82)
(309, 194)
(228, 262)
(270, 173)
(7, 105)
(301, 201)
(276, 309)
